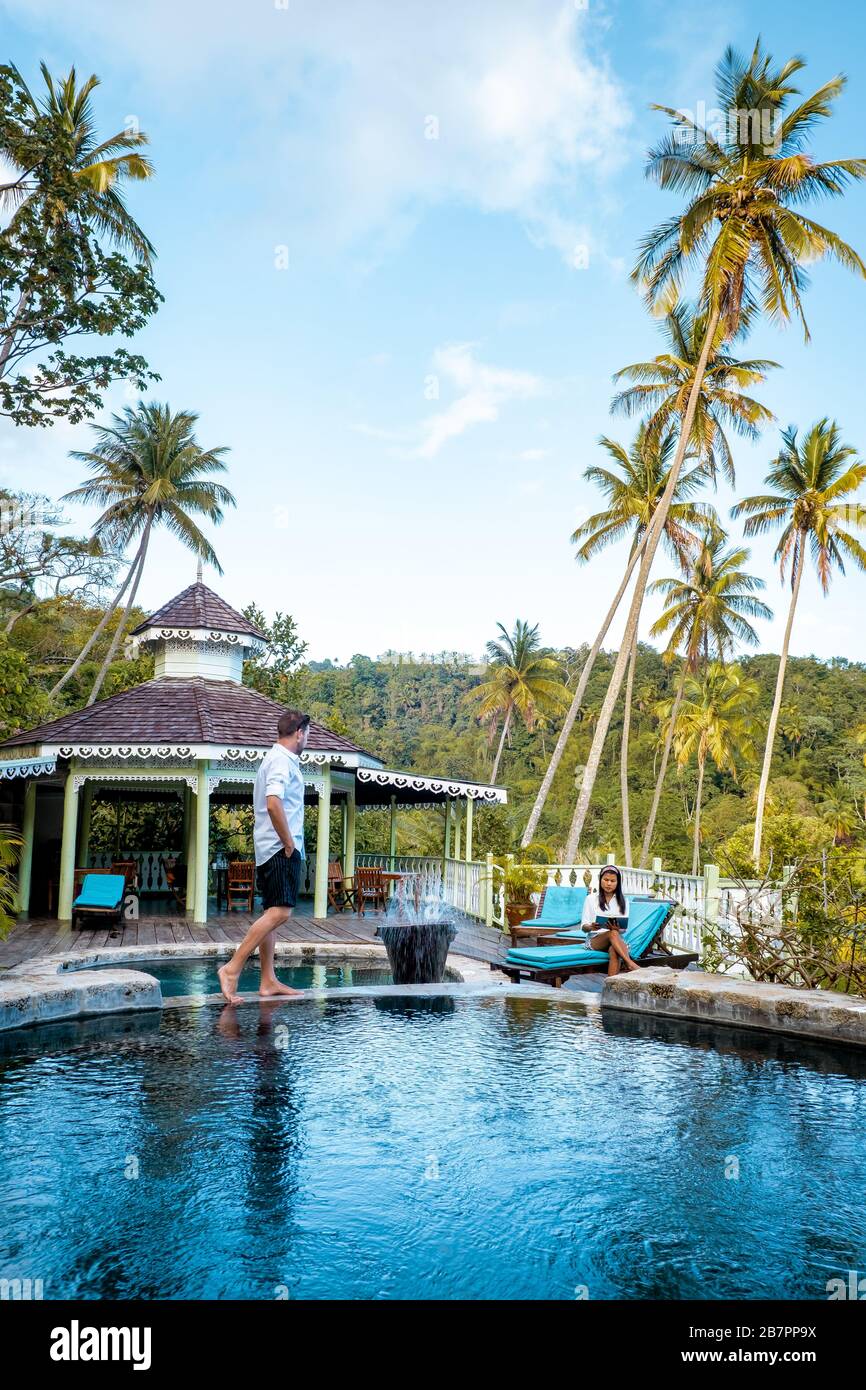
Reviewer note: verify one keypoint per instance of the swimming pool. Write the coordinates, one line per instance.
(412, 1147)
(178, 976)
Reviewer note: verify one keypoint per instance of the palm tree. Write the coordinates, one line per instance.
(61, 126)
(715, 720)
(808, 479)
(744, 232)
(662, 387)
(523, 679)
(148, 471)
(707, 612)
(632, 490)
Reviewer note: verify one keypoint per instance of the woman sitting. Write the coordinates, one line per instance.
(610, 904)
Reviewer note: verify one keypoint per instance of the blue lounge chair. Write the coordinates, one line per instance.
(553, 964)
(560, 906)
(101, 897)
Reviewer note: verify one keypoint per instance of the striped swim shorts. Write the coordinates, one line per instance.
(279, 879)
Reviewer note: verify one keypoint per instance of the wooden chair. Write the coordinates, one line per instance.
(129, 869)
(369, 887)
(175, 877)
(341, 890)
(241, 883)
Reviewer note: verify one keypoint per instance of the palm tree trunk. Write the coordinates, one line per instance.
(495, 768)
(99, 629)
(657, 794)
(574, 708)
(118, 632)
(696, 851)
(777, 705)
(623, 757)
(654, 535)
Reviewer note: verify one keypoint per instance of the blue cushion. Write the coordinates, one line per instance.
(562, 907)
(101, 890)
(645, 919)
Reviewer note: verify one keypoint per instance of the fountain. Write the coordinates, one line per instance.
(417, 935)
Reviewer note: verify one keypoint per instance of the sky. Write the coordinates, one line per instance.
(394, 242)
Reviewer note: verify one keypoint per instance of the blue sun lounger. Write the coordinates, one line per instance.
(101, 897)
(553, 964)
(561, 906)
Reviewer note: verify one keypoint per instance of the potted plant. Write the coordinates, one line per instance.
(521, 881)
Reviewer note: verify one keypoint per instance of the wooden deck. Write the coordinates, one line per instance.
(46, 936)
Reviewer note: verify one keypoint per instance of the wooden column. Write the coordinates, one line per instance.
(392, 844)
(67, 849)
(323, 836)
(25, 862)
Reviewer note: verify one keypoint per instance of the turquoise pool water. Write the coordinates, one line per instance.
(409, 1148)
(198, 976)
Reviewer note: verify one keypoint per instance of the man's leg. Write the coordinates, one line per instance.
(269, 983)
(270, 919)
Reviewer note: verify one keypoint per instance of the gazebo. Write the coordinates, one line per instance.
(196, 732)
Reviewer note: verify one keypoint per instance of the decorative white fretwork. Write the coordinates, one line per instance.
(200, 635)
(408, 781)
(162, 751)
(131, 783)
(30, 767)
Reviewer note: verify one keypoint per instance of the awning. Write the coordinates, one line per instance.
(376, 786)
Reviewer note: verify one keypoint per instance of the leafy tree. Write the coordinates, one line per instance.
(715, 720)
(73, 261)
(708, 611)
(808, 479)
(270, 672)
(522, 679)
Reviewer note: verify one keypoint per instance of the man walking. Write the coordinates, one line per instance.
(278, 837)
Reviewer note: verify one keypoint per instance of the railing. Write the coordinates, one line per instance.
(475, 887)
(150, 864)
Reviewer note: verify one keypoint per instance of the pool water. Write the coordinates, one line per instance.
(398, 1147)
(199, 976)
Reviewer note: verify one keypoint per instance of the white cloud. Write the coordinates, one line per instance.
(483, 391)
(340, 101)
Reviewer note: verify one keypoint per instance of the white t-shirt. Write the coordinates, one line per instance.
(592, 909)
(279, 775)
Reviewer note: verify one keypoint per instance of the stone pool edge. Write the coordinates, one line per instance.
(720, 999)
(61, 987)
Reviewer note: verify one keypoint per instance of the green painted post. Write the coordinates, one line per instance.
(656, 872)
(343, 833)
(488, 889)
(392, 845)
(447, 850)
(458, 827)
(711, 894)
(323, 835)
(202, 845)
(67, 849)
(84, 828)
(191, 853)
(25, 862)
(349, 864)
(509, 865)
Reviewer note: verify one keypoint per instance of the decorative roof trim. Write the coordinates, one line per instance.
(198, 634)
(409, 781)
(162, 752)
(132, 783)
(27, 767)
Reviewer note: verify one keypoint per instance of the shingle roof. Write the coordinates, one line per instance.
(199, 606)
(175, 710)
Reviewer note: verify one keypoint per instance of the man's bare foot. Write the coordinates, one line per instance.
(229, 984)
(272, 987)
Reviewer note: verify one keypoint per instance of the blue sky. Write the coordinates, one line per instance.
(394, 244)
